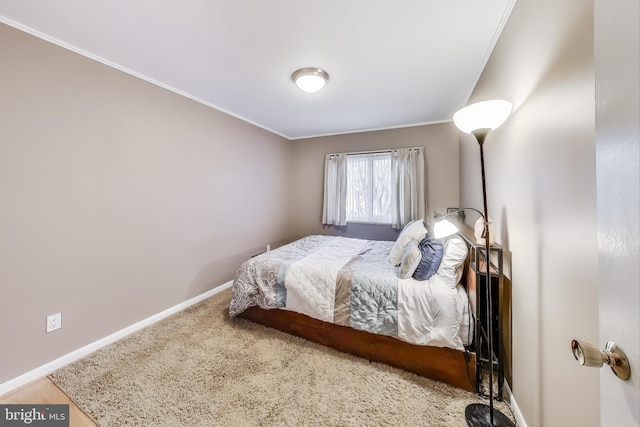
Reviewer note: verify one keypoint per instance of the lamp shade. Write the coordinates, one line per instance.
(444, 228)
(310, 80)
(482, 115)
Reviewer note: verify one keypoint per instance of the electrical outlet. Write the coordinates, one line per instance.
(54, 322)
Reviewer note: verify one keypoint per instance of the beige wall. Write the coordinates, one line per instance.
(119, 199)
(440, 142)
(542, 197)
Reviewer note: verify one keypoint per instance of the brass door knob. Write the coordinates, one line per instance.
(589, 355)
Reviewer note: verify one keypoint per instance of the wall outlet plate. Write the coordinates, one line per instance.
(54, 322)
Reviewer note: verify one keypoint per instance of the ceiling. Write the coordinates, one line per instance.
(391, 63)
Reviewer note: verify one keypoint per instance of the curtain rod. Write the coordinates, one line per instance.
(389, 150)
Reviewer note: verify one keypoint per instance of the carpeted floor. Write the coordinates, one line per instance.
(201, 368)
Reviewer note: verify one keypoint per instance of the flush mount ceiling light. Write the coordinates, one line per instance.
(310, 80)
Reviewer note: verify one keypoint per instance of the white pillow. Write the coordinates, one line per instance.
(455, 252)
(415, 230)
(411, 258)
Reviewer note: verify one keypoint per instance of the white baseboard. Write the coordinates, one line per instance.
(514, 406)
(49, 367)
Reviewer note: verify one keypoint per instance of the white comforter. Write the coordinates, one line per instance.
(350, 282)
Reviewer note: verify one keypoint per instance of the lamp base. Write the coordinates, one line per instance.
(478, 414)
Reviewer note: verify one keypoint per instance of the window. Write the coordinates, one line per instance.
(376, 187)
(369, 188)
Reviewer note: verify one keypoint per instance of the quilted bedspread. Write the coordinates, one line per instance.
(350, 282)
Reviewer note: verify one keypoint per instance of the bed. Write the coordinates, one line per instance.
(349, 294)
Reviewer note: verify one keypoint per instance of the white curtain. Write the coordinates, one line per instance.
(334, 208)
(408, 197)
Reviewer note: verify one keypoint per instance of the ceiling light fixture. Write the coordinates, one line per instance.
(310, 80)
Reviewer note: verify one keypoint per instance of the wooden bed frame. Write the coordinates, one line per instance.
(450, 366)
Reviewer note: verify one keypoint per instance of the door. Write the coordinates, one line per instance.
(617, 52)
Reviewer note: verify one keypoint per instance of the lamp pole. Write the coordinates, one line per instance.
(478, 414)
(480, 135)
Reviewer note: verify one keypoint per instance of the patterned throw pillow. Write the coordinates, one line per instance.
(410, 260)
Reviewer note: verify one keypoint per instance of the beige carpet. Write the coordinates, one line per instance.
(200, 368)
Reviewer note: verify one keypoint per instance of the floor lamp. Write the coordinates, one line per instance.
(479, 119)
